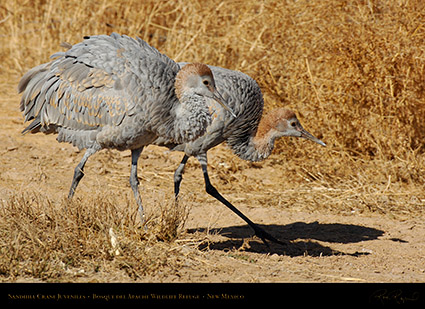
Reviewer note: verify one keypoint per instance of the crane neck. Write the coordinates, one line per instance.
(192, 117)
(264, 139)
(258, 145)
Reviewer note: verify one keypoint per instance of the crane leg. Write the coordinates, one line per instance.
(79, 171)
(178, 176)
(211, 190)
(134, 181)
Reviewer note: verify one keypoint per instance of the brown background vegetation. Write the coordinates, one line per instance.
(352, 70)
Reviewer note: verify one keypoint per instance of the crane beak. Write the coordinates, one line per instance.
(307, 135)
(219, 98)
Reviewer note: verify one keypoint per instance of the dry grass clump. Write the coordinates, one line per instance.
(168, 223)
(66, 240)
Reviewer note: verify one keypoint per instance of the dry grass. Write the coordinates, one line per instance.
(353, 70)
(64, 240)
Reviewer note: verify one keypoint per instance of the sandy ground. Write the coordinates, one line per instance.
(323, 245)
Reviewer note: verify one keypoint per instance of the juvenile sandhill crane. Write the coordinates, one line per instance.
(117, 92)
(249, 135)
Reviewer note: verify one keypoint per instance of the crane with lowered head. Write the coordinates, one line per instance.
(251, 135)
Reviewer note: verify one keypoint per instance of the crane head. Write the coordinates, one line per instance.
(287, 124)
(197, 78)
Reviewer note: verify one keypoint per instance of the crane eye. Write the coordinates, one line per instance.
(206, 82)
(293, 124)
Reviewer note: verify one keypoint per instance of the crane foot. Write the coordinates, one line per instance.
(264, 236)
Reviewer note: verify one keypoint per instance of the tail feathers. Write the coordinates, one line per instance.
(23, 83)
(34, 126)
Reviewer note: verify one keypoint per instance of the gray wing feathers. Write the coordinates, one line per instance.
(94, 83)
(244, 96)
(247, 94)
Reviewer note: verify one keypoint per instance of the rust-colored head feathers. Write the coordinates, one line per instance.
(189, 71)
(197, 79)
(281, 122)
(197, 68)
(272, 120)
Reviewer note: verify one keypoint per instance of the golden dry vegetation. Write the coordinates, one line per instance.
(354, 71)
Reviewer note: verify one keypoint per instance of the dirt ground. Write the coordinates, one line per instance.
(323, 244)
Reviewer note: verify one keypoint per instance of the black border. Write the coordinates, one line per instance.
(380, 295)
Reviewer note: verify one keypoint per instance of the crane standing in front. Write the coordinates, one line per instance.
(117, 92)
(250, 135)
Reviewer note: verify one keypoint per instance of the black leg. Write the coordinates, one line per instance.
(79, 171)
(134, 181)
(178, 176)
(211, 190)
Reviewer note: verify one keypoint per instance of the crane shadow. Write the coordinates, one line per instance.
(299, 236)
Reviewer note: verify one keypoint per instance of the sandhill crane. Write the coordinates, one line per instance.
(113, 91)
(250, 136)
